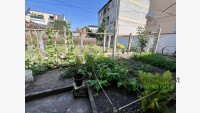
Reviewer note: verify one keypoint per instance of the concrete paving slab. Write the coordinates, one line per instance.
(59, 103)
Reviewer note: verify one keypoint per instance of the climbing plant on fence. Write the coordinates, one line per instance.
(50, 58)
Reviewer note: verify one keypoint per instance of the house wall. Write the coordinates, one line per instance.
(168, 42)
(111, 14)
(44, 21)
(131, 15)
(169, 16)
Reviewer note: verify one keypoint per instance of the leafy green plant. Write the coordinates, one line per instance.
(109, 72)
(143, 67)
(68, 72)
(164, 84)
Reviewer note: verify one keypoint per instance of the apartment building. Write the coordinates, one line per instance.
(42, 18)
(131, 14)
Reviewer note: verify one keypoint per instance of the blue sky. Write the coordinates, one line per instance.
(83, 14)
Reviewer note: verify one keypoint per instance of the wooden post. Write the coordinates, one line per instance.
(157, 40)
(115, 40)
(65, 37)
(109, 41)
(81, 34)
(37, 42)
(41, 44)
(115, 29)
(72, 40)
(129, 43)
(104, 41)
(55, 47)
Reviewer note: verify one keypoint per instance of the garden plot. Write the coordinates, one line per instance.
(120, 79)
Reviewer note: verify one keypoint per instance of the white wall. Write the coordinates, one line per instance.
(167, 41)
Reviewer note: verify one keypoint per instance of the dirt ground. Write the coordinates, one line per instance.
(119, 97)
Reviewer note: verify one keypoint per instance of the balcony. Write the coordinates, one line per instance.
(37, 17)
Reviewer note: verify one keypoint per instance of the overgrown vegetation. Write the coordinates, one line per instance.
(53, 59)
(109, 72)
(163, 84)
(156, 60)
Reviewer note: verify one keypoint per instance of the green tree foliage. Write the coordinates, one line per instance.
(142, 38)
(102, 27)
(59, 24)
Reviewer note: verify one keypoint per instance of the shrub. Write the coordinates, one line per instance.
(120, 46)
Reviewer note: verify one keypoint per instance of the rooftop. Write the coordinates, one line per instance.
(105, 5)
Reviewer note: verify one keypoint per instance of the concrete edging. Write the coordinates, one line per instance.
(93, 105)
(48, 92)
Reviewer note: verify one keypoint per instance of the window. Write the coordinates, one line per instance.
(51, 18)
(107, 20)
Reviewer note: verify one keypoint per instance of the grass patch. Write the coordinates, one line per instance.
(156, 60)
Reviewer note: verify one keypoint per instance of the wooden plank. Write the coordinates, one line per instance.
(129, 43)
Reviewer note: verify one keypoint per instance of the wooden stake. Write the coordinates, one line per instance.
(72, 40)
(109, 41)
(65, 37)
(115, 29)
(157, 40)
(104, 41)
(37, 42)
(55, 47)
(129, 43)
(81, 34)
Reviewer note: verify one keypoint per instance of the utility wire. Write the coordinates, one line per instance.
(82, 8)
(57, 4)
(61, 11)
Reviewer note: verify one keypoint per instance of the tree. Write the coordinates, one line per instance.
(142, 38)
(102, 27)
(59, 24)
